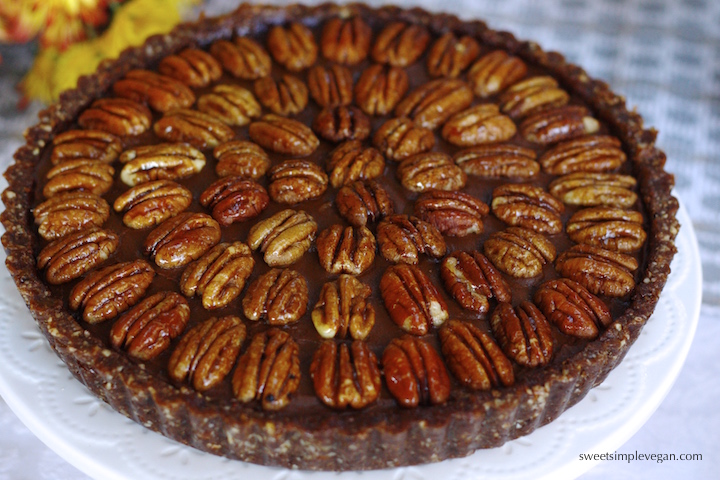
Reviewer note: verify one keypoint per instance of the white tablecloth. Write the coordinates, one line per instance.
(664, 56)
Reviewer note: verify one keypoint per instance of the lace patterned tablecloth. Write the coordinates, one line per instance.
(664, 56)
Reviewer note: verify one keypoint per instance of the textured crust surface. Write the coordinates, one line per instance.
(454, 429)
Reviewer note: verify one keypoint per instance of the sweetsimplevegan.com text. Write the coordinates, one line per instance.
(642, 457)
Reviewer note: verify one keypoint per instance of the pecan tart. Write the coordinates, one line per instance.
(339, 237)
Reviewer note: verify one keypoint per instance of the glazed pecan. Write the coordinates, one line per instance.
(191, 126)
(206, 353)
(452, 213)
(192, 66)
(159, 92)
(285, 96)
(607, 227)
(403, 238)
(519, 252)
(234, 199)
(346, 249)
(118, 116)
(588, 189)
(523, 333)
(411, 299)
(284, 237)
(352, 161)
(283, 135)
(478, 125)
(74, 255)
(400, 138)
(531, 96)
(294, 181)
(490, 161)
(558, 124)
(242, 159)
(330, 86)
(474, 358)
(342, 123)
(147, 329)
(85, 144)
(345, 376)
(449, 55)
(589, 153)
(343, 308)
(361, 203)
(380, 88)
(79, 175)
(70, 212)
(430, 171)
(182, 239)
(106, 293)
(268, 371)
(242, 58)
(152, 203)
(280, 296)
(231, 104)
(602, 272)
(431, 104)
(472, 280)
(345, 41)
(494, 72)
(414, 372)
(293, 46)
(528, 206)
(219, 275)
(572, 309)
(400, 44)
(163, 161)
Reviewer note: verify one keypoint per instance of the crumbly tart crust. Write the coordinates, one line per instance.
(344, 441)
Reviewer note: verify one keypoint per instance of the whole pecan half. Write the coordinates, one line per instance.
(523, 333)
(532, 95)
(343, 308)
(192, 66)
(242, 58)
(474, 357)
(242, 159)
(558, 124)
(346, 249)
(572, 309)
(430, 171)
(602, 272)
(234, 199)
(400, 138)
(280, 296)
(478, 125)
(80, 174)
(268, 371)
(294, 181)
(330, 86)
(284, 237)
(182, 239)
(452, 213)
(528, 206)
(400, 44)
(207, 352)
(589, 153)
(293, 46)
(106, 293)
(283, 135)
(607, 227)
(191, 126)
(492, 161)
(70, 212)
(219, 275)
(352, 161)
(589, 189)
(380, 88)
(285, 96)
(162, 161)
(414, 372)
(345, 376)
(450, 55)
(411, 299)
(519, 252)
(472, 280)
(342, 123)
(345, 41)
(360, 203)
(431, 104)
(152, 203)
(74, 255)
(231, 104)
(494, 72)
(118, 116)
(85, 144)
(403, 238)
(147, 329)
(159, 92)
